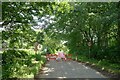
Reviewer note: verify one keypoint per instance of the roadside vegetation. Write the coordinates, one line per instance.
(89, 31)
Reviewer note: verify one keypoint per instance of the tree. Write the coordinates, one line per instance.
(87, 22)
(18, 20)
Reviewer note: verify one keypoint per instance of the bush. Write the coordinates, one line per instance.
(20, 64)
(38, 57)
(10, 61)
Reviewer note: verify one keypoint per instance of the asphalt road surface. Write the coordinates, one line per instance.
(68, 69)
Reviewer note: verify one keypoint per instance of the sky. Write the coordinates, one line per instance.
(40, 22)
(43, 21)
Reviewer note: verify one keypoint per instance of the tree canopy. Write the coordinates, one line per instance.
(79, 28)
(78, 24)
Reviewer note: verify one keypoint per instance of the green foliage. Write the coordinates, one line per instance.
(74, 26)
(40, 37)
(38, 57)
(102, 64)
(17, 18)
(20, 64)
(88, 22)
(12, 60)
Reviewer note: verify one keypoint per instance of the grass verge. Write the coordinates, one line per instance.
(105, 67)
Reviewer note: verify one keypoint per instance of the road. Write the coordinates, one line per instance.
(68, 69)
